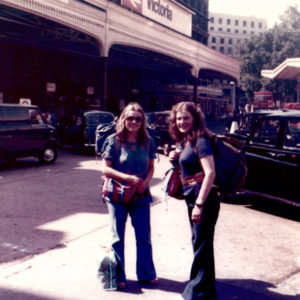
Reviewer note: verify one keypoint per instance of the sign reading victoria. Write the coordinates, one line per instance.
(167, 12)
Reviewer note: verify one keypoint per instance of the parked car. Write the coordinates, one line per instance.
(24, 133)
(104, 130)
(159, 121)
(273, 157)
(78, 129)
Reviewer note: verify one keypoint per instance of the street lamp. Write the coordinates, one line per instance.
(298, 88)
(233, 96)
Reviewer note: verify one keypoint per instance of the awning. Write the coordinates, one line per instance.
(289, 69)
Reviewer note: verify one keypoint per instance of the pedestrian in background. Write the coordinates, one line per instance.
(194, 155)
(129, 158)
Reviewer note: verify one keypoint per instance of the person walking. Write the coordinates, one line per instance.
(129, 159)
(194, 156)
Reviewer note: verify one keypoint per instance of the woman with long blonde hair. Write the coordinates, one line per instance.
(129, 159)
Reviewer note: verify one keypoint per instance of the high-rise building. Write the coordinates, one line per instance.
(227, 31)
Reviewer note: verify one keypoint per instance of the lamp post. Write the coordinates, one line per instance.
(298, 88)
(232, 83)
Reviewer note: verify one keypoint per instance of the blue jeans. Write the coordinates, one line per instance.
(202, 278)
(140, 220)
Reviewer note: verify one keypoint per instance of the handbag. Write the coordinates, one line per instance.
(172, 183)
(107, 269)
(117, 191)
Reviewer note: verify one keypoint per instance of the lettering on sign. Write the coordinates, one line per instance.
(158, 8)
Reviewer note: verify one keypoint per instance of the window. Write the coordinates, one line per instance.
(211, 28)
(292, 135)
(212, 20)
(220, 21)
(236, 31)
(213, 39)
(222, 40)
(228, 30)
(252, 24)
(267, 132)
(228, 22)
(222, 49)
(236, 22)
(229, 50)
(260, 25)
(245, 23)
(230, 41)
(244, 31)
(220, 29)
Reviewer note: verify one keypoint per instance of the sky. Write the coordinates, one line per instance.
(266, 9)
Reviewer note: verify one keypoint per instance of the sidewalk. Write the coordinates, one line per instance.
(69, 272)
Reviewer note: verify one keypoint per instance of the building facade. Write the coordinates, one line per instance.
(227, 31)
(96, 53)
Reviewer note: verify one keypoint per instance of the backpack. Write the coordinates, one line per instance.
(230, 163)
(102, 132)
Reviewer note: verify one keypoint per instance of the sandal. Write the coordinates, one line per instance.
(121, 285)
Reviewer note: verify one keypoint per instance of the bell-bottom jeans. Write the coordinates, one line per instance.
(140, 220)
(202, 277)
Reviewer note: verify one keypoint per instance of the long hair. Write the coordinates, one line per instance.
(199, 127)
(121, 130)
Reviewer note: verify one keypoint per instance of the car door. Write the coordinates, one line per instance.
(15, 131)
(288, 160)
(38, 133)
(264, 174)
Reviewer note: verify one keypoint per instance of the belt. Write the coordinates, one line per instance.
(193, 179)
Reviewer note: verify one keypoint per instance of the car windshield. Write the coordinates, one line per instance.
(97, 118)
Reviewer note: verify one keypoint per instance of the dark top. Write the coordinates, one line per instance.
(189, 161)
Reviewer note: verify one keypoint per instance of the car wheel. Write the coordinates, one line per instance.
(49, 154)
(166, 149)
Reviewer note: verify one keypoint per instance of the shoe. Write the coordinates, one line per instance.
(153, 281)
(121, 285)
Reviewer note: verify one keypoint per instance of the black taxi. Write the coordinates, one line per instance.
(273, 156)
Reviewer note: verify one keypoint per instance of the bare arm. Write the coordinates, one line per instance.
(208, 166)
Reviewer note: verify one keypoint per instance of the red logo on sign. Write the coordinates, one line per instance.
(135, 5)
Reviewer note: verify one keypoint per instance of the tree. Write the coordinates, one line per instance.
(267, 51)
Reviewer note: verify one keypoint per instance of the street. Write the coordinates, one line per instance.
(53, 225)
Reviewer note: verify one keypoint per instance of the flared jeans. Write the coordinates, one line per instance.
(140, 220)
(201, 285)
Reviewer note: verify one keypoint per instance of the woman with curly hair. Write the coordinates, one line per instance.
(195, 158)
(129, 158)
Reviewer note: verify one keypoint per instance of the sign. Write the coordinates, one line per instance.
(25, 101)
(90, 90)
(166, 12)
(51, 87)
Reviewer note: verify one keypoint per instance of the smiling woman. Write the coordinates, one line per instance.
(128, 165)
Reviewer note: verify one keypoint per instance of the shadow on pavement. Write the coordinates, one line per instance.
(6, 294)
(248, 289)
(265, 205)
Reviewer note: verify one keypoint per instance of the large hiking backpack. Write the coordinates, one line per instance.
(230, 163)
